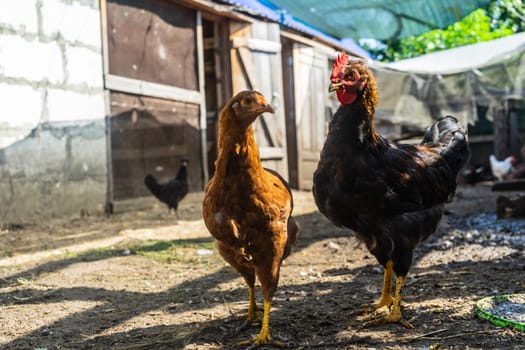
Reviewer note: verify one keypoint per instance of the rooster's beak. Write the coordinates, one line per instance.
(335, 86)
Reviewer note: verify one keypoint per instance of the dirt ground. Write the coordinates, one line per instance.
(141, 280)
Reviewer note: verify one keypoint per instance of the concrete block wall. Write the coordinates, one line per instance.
(50, 64)
(52, 128)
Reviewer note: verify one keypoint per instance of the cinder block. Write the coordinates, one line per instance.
(75, 22)
(30, 59)
(65, 105)
(20, 15)
(84, 67)
(21, 105)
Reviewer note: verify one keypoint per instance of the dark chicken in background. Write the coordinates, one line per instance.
(391, 195)
(172, 192)
(474, 173)
(248, 208)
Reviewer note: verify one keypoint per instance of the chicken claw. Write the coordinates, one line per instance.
(258, 341)
(391, 317)
(252, 316)
(264, 337)
(393, 304)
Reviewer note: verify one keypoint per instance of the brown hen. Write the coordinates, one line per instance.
(248, 208)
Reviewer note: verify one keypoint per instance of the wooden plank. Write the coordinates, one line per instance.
(154, 41)
(132, 154)
(289, 105)
(202, 119)
(480, 138)
(107, 108)
(311, 101)
(329, 50)
(105, 35)
(509, 185)
(109, 154)
(256, 44)
(217, 10)
(271, 152)
(223, 65)
(140, 87)
(152, 135)
(246, 63)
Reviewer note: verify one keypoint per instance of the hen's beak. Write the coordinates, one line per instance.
(268, 109)
(335, 86)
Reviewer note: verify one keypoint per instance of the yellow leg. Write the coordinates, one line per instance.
(386, 294)
(253, 309)
(395, 312)
(264, 335)
(393, 315)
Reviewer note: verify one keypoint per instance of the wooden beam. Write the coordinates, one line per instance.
(141, 87)
(216, 9)
(107, 108)
(257, 44)
(330, 49)
(203, 118)
(480, 138)
(152, 152)
(271, 152)
(509, 185)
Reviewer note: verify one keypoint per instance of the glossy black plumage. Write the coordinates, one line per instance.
(391, 195)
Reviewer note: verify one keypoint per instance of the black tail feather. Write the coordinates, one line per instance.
(452, 139)
(152, 184)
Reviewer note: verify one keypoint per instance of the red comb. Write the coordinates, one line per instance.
(339, 65)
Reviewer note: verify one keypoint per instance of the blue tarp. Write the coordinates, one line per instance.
(267, 11)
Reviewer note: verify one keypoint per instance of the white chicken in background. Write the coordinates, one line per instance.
(501, 168)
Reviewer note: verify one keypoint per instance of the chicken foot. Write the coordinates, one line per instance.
(393, 315)
(253, 310)
(264, 335)
(252, 316)
(386, 295)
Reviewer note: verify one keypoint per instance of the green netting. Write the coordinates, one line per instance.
(379, 19)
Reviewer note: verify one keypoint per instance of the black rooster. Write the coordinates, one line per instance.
(391, 195)
(171, 192)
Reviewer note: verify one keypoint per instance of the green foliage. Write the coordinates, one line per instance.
(503, 17)
(507, 13)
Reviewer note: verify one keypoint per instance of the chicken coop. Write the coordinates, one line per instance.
(161, 113)
(144, 85)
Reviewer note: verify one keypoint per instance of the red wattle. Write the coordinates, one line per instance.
(345, 97)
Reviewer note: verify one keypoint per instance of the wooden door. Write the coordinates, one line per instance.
(154, 75)
(312, 112)
(256, 65)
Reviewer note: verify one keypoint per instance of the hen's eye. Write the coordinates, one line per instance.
(247, 100)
